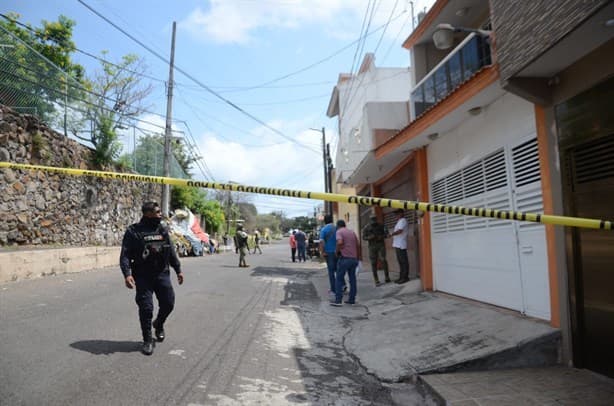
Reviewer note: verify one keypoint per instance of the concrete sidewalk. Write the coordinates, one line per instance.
(556, 385)
(399, 333)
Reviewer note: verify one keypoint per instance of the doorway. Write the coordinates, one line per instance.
(586, 135)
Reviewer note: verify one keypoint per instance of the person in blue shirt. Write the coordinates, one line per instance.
(328, 246)
(301, 245)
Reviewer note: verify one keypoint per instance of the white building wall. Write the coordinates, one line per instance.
(373, 85)
(508, 118)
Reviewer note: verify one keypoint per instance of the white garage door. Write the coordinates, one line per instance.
(495, 261)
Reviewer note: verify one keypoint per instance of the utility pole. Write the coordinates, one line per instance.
(166, 190)
(325, 163)
(324, 160)
(329, 165)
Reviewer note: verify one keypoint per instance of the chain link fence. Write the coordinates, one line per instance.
(32, 84)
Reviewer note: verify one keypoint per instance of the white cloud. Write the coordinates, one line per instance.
(281, 164)
(235, 21)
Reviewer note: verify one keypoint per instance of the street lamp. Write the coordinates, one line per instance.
(443, 37)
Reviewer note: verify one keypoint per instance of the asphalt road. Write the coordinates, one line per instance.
(237, 336)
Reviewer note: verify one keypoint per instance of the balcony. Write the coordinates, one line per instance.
(470, 56)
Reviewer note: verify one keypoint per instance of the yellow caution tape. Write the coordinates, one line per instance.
(332, 197)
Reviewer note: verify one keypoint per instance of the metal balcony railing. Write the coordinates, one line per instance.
(459, 66)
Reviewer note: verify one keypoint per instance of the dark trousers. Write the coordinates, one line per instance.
(293, 254)
(346, 265)
(301, 252)
(146, 286)
(403, 263)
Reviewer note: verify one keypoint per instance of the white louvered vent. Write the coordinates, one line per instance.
(454, 187)
(530, 201)
(527, 185)
(500, 201)
(467, 187)
(495, 171)
(440, 223)
(473, 179)
(525, 163)
(439, 191)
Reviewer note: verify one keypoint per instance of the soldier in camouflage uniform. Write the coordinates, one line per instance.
(242, 245)
(375, 233)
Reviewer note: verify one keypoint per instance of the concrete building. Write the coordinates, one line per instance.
(371, 106)
(514, 115)
(560, 56)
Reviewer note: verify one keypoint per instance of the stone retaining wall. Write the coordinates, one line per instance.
(39, 208)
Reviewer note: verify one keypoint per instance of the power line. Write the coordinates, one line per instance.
(27, 27)
(396, 38)
(201, 159)
(361, 39)
(197, 114)
(230, 103)
(316, 63)
(362, 47)
(362, 78)
(72, 107)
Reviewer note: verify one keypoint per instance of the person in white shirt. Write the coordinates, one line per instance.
(399, 243)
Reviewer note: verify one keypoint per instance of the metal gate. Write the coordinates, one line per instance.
(590, 176)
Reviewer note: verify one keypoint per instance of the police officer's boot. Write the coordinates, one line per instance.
(158, 330)
(148, 344)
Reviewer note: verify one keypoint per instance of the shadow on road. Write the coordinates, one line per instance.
(298, 288)
(106, 347)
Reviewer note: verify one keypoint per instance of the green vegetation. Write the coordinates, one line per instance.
(38, 74)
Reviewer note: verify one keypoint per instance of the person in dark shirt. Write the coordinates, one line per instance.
(146, 254)
(301, 245)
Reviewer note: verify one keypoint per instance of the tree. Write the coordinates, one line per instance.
(248, 213)
(148, 157)
(285, 223)
(213, 214)
(39, 85)
(117, 96)
(269, 221)
(304, 223)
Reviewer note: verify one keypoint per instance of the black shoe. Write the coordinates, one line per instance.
(350, 303)
(388, 281)
(336, 304)
(377, 283)
(401, 281)
(148, 347)
(158, 331)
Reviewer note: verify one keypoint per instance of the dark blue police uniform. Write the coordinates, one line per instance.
(146, 254)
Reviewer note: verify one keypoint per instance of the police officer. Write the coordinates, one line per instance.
(376, 233)
(146, 254)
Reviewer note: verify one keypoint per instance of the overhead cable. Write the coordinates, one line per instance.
(195, 80)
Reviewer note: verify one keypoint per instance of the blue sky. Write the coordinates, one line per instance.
(231, 45)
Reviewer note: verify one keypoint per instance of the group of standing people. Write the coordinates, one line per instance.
(298, 245)
(375, 234)
(341, 249)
